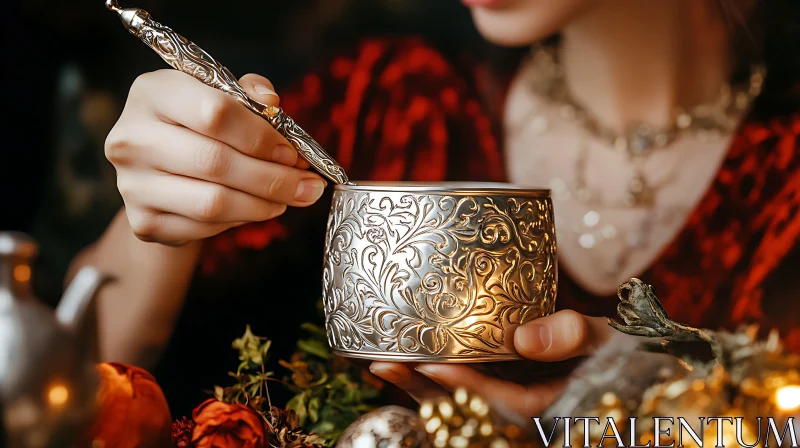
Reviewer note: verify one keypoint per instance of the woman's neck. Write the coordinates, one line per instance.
(633, 61)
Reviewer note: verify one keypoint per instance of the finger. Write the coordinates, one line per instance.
(177, 98)
(129, 146)
(194, 199)
(170, 229)
(203, 158)
(561, 336)
(403, 376)
(262, 90)
(509, 399)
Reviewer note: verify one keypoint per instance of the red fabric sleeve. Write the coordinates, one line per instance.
(396, 109)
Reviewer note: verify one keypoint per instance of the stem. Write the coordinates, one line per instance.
(279, 381)
(266, 389)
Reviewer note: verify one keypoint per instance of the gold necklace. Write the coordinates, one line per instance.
(707, 121)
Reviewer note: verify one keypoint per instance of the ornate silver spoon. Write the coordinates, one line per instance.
(187, 57)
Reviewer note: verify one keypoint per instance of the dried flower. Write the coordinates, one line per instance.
(182, 432)
(286, 431)
(252, 349)
(220, 424)
(301, 375)
(251, 375)
(329, 393)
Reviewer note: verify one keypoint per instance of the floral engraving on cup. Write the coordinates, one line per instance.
(435, 275)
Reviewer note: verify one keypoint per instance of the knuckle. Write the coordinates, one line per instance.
(259, 141)
(212, 205)
(141, 83)
(212, 160)
(116, 146)
(276, 185)
(146, 81)
(213, 114)
(143, 225)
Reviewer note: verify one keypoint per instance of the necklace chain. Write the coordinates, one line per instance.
(705, 122)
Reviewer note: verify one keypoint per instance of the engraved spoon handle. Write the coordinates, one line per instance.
(187, 57)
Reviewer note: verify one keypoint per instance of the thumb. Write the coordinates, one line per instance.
(260, 89)
(561, 336)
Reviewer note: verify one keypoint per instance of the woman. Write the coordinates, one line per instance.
(705, 210)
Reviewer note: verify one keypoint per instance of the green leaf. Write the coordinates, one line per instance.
(239, 343)
(352, 395)
(314, 329)
(250, 348)
(314, 347)
(313, 409)
(324, 427)
(298, 405)
(321, 381)
(334, 397)
(369, 393)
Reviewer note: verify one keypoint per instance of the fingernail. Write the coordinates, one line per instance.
(309, 190)
(284, 155)
(263, 90)
(428, 371)
(533, 338)
(386, 373)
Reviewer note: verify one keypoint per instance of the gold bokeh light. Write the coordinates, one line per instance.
(788, 398)
(57, 395)
(22, 273)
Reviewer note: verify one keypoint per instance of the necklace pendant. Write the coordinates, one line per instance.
(639, 193)
(640, 140)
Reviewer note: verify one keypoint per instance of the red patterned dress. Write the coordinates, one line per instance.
(398, 110)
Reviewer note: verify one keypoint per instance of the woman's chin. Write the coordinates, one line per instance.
(523, 22)
(509, 30)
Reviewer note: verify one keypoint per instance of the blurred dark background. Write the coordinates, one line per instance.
(68, 67)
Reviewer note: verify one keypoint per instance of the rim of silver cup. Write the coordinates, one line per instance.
(452, 188)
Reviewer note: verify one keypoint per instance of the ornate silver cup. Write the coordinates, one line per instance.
(436, 272)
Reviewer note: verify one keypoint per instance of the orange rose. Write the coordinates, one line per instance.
(222, 425)
(132, 410)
